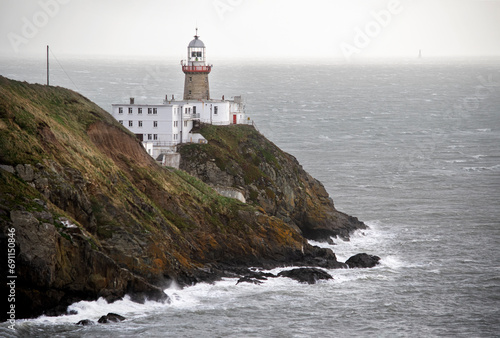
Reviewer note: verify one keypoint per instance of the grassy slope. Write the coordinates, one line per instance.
(153, 221)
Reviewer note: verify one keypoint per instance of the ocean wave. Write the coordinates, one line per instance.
(93, 310)
(492, 168)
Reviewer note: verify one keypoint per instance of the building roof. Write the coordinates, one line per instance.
(196, 43)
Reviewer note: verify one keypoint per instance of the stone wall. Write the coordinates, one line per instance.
(197, 83)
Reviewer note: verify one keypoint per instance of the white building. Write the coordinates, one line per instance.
(163, 126)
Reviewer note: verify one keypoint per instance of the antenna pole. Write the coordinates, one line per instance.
(47, 65)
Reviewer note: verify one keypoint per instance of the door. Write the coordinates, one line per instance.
(234, 119)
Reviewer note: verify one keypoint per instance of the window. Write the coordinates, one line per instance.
(216, 110)
(150, 110)
(120, 110)
(140, 123)
(155, 111)
(176, 136)
(185, 123)
(196, 54)
(190, 92)
(130, 110)
(121, 122)
(130, 123)
(139, 111)
(155, 124)
(194, 110)
(150, 136)
(155, 137)
(176, 123)
(190, 79)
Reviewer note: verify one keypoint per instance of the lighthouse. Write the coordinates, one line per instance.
(162, 126)
(196, 71)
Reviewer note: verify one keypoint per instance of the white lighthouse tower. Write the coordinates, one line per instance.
(196, 71)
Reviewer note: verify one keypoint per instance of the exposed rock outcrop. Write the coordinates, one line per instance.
(238, 156)
(363, 260)
(306, 275)
(111, 318)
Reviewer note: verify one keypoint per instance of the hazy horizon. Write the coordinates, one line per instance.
(244, 29)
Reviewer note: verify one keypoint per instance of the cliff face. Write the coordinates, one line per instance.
(94, 215)
(238, 156)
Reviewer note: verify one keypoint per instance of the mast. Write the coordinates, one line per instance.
(47, 65)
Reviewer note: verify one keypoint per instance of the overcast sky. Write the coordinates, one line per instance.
(252, 28)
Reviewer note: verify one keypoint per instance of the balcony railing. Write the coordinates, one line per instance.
(191, 116)
(196, 69)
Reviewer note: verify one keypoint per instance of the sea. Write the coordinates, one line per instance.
(411, 147)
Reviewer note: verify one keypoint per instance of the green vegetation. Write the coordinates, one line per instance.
(238, 150)
(151, 220)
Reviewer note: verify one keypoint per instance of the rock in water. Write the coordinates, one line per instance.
(306, 275)
(248, 280)
(85, 322)
(362, 260)
(111, 318)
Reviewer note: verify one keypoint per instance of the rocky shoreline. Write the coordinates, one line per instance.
(95, 216)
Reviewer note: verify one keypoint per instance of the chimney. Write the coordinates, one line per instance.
(131, 100)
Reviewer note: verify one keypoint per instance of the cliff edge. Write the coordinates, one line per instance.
(239, 157)
(88, 213)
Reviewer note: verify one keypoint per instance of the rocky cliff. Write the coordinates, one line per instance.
(92, 215)
(238, 156)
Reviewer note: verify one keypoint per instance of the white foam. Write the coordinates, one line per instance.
(392, 262)
(93, 310)
(492, 168)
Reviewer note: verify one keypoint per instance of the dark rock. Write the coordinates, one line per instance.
(85, 322)
(248, 279)
(111, 318)
(362, 260)
(306, 275)
(320, 257)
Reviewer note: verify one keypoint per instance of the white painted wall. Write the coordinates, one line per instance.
(163, 126)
